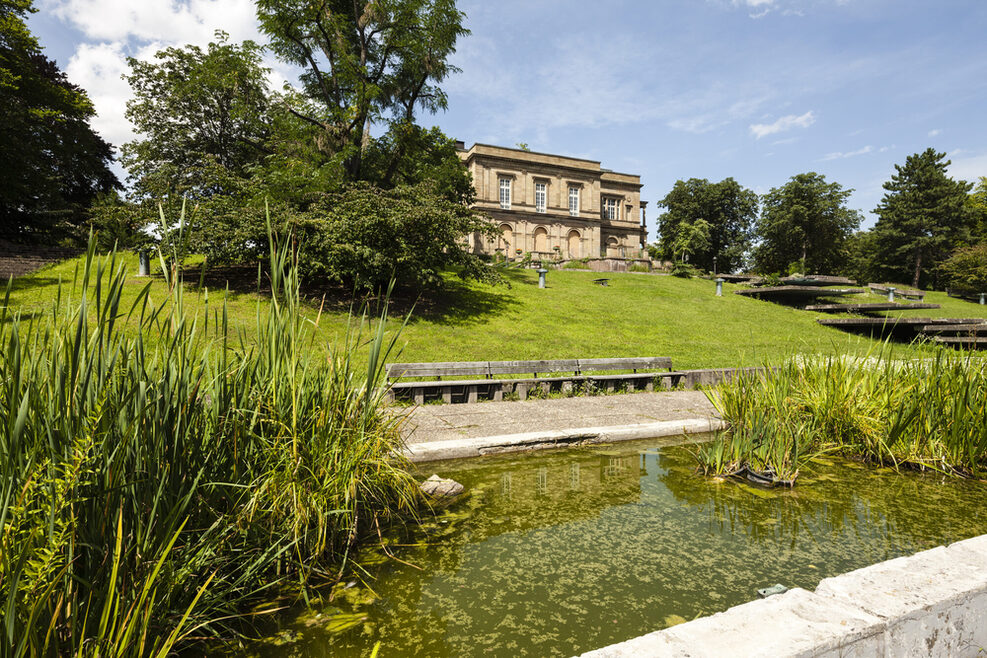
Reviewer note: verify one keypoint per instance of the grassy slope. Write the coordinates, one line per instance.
(637, 315)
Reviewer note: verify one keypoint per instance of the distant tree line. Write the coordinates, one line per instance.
(931, 230)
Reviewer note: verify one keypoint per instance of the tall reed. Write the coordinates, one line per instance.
(161, 473)
(929, 413)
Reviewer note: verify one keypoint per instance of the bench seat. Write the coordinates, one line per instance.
(496, 388)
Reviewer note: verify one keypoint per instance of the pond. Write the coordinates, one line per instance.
(562, 552)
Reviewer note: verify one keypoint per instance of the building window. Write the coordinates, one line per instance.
(574, 201)
(611, 209)
(505, 193)
(540, 196)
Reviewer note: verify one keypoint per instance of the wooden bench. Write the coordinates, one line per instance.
(645, 373)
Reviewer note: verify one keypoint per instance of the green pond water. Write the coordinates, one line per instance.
(559, 553)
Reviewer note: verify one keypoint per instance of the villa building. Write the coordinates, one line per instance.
(555, 206)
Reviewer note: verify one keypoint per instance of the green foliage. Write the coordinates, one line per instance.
(806, 221)
(684, 270)
(364, 63)
(965, 271)
(359, 237)
(977, 202)
(929, 413)
(707, 220)
(201, 116)
(422, 155)
(53, 162)
(161, 477)
(923, 216)
(363, 237)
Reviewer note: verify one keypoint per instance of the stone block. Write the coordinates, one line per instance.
(934, 603)
(797, 623)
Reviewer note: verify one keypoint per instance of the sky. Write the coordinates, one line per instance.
(757, 90)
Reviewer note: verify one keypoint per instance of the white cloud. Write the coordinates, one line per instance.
(169, 21)
(783, 124)
(970, 168)
(935, 132)
(116, 29)
(99, 69)
(838, 155)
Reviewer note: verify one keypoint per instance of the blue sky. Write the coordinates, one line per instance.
(758, 90)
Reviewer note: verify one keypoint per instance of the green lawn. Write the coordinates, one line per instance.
(637, 315)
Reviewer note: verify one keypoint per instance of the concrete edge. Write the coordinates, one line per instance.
(931, 603)
(506, 443)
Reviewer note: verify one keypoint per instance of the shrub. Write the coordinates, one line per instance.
(684, 270)
(966, 269)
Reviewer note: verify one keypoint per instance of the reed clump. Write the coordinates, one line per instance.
(162, 476)
(926, 414)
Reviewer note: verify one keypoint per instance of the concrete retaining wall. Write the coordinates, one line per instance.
(506, 443)
(933, 603)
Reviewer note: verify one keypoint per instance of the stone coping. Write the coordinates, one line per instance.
(506, 443)
(933, 603)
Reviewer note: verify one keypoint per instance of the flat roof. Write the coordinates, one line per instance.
(517, 150)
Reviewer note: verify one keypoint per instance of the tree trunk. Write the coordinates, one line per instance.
(918, 268)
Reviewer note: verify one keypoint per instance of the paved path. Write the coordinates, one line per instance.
(447, 422)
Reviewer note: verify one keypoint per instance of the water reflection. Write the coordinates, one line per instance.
(560, 553)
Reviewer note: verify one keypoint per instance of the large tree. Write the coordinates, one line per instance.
(923, 216)
(364, 62)
(201, 117)
(53, 162)
(805, 223)
(709, 220)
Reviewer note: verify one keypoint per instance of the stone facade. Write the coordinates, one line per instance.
(554, 206)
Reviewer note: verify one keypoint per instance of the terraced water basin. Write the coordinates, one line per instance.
(553, 554)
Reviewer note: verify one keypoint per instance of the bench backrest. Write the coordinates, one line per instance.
(490, 368)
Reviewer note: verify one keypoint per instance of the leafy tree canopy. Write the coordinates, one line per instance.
(805, 221)
(200, 115)
(364, 63)
(707, 220)
(53, 162)
(923, 216)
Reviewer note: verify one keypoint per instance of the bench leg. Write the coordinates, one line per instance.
(419, 396)
(471, 394)
(447, 394)
(567, 388)
(522, 391)
(630, 385)
(389, 396)
(498, 392)
(610, 386)
(650, 386)
(546, 388)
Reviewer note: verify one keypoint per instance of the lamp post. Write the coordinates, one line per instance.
(719, 286)
(714, 265)
(541, 277)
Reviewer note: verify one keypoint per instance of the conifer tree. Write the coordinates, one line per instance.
(921, 219)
